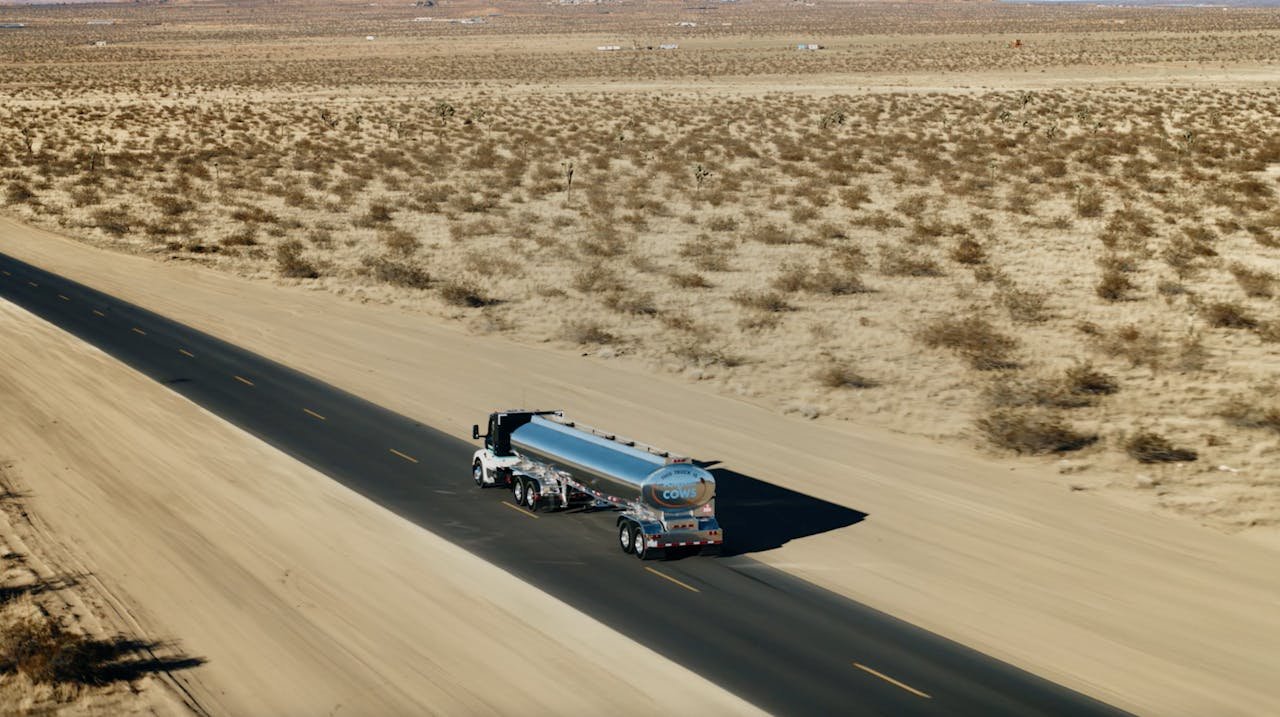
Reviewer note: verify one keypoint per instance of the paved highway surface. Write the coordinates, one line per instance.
(777, 641)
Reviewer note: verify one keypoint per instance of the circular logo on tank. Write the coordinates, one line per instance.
(677, 487)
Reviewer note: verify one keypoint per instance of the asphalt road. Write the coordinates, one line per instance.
(777, 641)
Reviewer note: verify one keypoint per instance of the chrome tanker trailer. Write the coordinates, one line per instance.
(550, 463)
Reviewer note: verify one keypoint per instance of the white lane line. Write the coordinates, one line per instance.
(892, 681)
(522, 511)
(186, 353)
(244, 380)
(313, 414)
(138, 331)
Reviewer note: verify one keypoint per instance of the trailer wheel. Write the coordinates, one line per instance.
(639, 546)
(530, 497)
(477, 473)
(517, 490)
(626, 536)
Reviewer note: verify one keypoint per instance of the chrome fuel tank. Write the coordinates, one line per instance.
(615, 469)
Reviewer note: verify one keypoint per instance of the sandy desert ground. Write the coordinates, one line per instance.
(907, 264)
(1067, 247)
(1015, 558)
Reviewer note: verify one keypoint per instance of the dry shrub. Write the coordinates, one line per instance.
(290, 263)
(597, 278)
(1114, 286)
(459, 292)
(897, 261)
(587, 331)
(708, 254)
(974, 338)
(636, 303)
(18, 193)
(969, 251)
(1089, 202)
(1033, 432)
(770, 233)
(399, 241)
(402, 273)
(689, 280)
(839, 375)
(1149, 447)
(1229, 315)
(722, 223)
(1024, 306)
(1245, 413)
(1019, 392)
(1140, 348)
(115, 221)
(765, 301)
(40, 649)
(1255, 282)
(1085, 379)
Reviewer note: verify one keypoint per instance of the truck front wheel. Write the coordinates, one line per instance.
(626, 536)
(477, 474)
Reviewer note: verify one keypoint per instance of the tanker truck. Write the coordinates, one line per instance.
(664, 502)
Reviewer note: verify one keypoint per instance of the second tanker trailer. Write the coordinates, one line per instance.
(664, 501)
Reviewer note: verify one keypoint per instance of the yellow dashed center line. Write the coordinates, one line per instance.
(186, 353)
(32, 283)
(5, 273)
(60, 296)
(98, 313)
(684, 585)
(138, 331)
(244, 380)
(892, 681)
(313, 414)
(411, 459)
(522, 511)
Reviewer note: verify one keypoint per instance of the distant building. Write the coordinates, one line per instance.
(12, 25)
(808, 46)
(668, 46)
(686, 23)
(608, 48)
(99, 43)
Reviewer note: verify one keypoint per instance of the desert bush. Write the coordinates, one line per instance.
(597, 278)
(1024, 306)
(974, 338)
(969, 251)
(18, 193)
(1085, 379)
(586, 331)
(840, 375)
(636, 303)
(722, 223)
(689, 280)
(1114, 286)
(1245, 413)
(896, 261)
(1149, 447)
(399, 241)
(1089, 202)
(1229, 315)
(49, 655)
(1140, 348)
(116, 221)
(459, 292)
(290, 264)
(1254, 282)
(769, 233)
(765, 301)
(401, 273)
(1031, 432)
(791, 277)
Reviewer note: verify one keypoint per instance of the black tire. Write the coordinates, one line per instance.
(531, 497)
(477, 474)
(517, 491)
(639, 546)
(626, 536)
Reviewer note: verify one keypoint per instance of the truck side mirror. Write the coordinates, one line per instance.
(475, 432)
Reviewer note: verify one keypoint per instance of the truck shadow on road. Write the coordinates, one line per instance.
(757, 516)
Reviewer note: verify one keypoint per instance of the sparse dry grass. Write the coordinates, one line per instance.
(743, 238)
